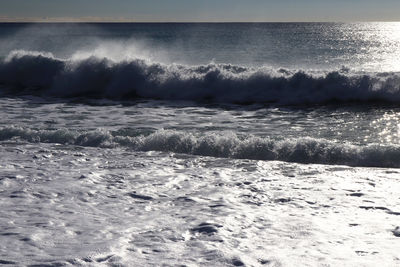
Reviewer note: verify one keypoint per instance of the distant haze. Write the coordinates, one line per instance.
(199, 11)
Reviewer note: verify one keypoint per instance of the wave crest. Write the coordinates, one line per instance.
(40, 73)
(225, 145)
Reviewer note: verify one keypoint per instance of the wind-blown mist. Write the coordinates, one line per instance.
(200, 144)
(326, 46)
(255, 63)
(43, 74)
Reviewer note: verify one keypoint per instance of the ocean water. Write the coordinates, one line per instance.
(248, 144)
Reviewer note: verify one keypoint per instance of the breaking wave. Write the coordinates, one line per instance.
(226, 145)
(42, 74)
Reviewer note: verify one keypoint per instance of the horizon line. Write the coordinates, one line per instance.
(184, 21)
(106, 19)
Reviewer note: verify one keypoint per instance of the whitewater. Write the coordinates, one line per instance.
(249, 144)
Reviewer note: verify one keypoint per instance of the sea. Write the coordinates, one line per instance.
(200, 144)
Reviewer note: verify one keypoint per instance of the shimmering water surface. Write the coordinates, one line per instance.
(200, 144)
(328, 46)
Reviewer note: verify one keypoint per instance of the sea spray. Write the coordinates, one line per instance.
(43, 74)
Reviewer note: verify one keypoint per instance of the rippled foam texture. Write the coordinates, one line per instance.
(39, 73)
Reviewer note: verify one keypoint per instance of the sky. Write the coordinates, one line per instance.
(199, 10)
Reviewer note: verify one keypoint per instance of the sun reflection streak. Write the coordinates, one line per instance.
(387, 128)
(386, 54)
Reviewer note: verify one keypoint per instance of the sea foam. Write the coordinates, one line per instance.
(223, 145)
(42, 74)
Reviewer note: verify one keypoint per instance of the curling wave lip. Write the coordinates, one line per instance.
(42, 74)
(226, 145)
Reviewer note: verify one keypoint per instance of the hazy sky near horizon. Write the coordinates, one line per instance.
(200, 10)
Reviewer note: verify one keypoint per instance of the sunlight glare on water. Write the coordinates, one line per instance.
(387, 128)
(122, 145)
(384, 48)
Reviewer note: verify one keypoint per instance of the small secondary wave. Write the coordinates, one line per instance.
(42, 74)
(225, 145)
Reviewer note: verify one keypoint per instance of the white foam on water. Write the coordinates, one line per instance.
(225, 145)
(96, 206)
(26, 72)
